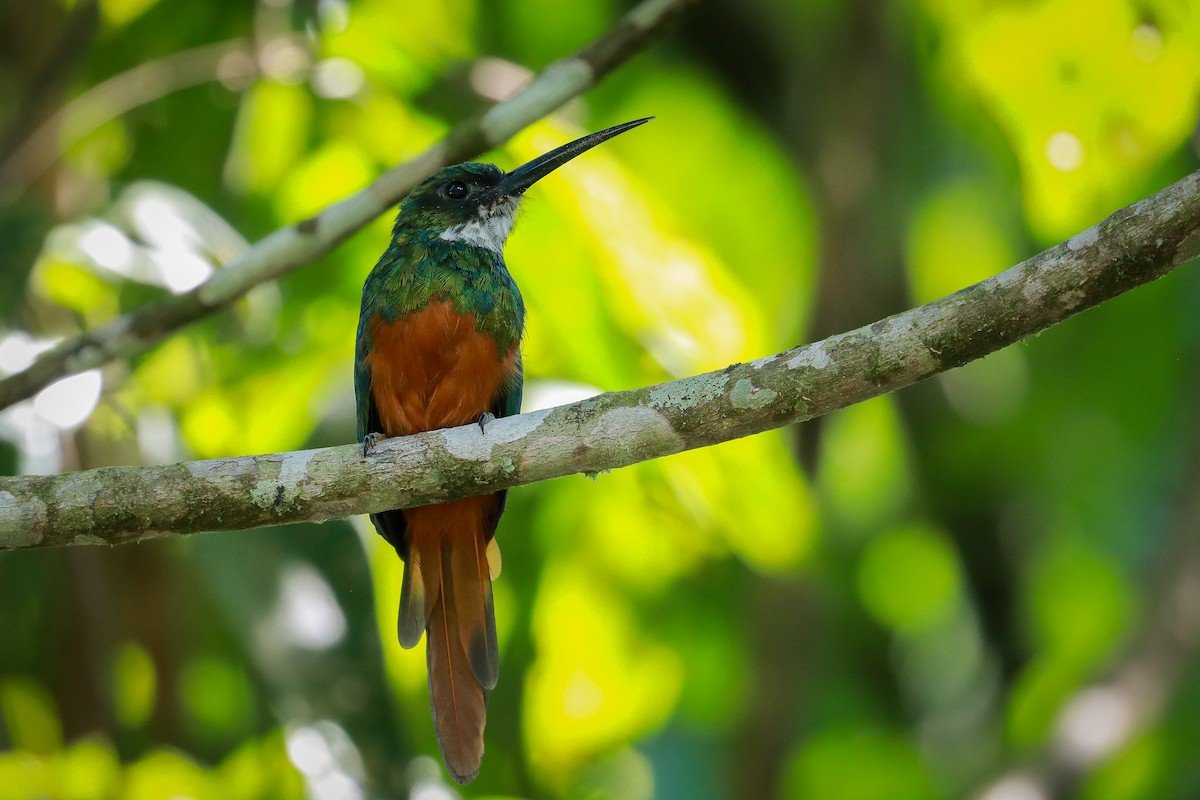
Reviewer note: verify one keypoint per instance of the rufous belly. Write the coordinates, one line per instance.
(434, 369)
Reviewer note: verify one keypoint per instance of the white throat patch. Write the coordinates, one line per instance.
(489, 229)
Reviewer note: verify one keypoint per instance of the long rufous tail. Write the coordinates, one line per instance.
(448, 592)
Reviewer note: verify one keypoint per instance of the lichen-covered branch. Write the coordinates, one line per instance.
(296, 245)
(119, 504)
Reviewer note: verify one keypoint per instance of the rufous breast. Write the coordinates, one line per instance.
(434, 369)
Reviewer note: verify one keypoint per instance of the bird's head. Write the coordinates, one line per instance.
(477, 203)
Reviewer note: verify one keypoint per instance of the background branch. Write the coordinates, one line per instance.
(1133, 246)
(57, 68)
(109, 100)
(296, 245)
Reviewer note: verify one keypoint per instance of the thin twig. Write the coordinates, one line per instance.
(60, 64)
(107, 101)
(117, 504)
(296, 245)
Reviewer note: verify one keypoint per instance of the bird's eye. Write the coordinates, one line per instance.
(456, 190)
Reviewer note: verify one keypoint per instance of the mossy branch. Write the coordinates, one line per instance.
(119, 504)
(296, 245)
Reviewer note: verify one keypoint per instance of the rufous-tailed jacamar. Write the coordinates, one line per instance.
(438, 346)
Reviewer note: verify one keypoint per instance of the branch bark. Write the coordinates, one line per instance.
(296, 245)
(118, 504)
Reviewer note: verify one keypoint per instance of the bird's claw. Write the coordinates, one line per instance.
(484, 419)
(369, 442)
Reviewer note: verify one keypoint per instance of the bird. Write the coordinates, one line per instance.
(439, 346)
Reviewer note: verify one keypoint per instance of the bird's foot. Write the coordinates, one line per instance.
(369, 442)
(485, 418)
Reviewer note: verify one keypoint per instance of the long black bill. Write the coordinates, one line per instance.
(526, 175)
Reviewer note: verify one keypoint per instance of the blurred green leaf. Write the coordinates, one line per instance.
(72, 286)
(99, 152)
(1100, 92)
(24, 776)
(596, 681)
(332, 173)
(956, 239)
(1131, 773)
(121, 12)
(30, 715)
(864, 470)
(134, 685)
(217, 698)
(260, 770)
(87, 770)
(908, 578)
(1081, 604)
(1038, 696)
(272, 130)
(858, 765)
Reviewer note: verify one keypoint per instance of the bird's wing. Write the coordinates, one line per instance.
(508, 400)
(364, 406)
(390, 524)
(506, 404)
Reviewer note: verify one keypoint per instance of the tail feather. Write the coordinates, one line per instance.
(448, 591)
(458, 701)
(471, 587)
(491, 676)
(414, 610)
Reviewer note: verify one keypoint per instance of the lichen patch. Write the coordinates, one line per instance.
(469, 443)
(621, 435)
(1084, 239)
(688, 393)
(23, 521)
(746, 395)
(759, 363)
(813, 356)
